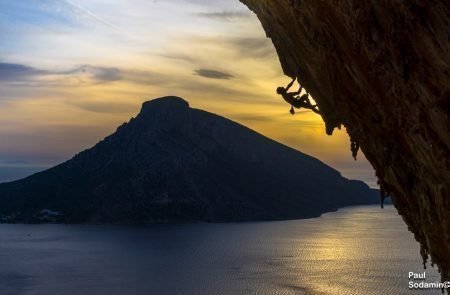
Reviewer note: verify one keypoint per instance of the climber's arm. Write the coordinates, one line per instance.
(290, 84)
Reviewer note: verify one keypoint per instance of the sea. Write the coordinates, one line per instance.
(356, 250)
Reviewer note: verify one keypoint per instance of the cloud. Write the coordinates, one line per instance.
(144, 77)
(213, 74)
(77, 10)
(14, 72)
(102, 74)
(225, 15)
(106, 107)
(180, 57)
(255, 48)
(252, 47)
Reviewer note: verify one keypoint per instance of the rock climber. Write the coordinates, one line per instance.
(295, 100)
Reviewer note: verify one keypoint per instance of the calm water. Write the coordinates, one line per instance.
(360, 250)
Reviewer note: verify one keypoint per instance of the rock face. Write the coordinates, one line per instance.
(173, 163)
(381, 69)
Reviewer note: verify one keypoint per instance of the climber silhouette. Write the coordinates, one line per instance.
(295, 100)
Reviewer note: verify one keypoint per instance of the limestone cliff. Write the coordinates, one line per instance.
(381, 69)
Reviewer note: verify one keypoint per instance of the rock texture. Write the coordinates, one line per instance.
(173, 163)
(381, 69)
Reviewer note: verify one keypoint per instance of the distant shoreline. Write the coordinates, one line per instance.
(387, 206)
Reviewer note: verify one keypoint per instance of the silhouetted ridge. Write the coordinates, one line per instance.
(173, 163)
(164, 112)
(167, 103)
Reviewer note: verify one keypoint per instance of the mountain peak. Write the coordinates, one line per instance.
(164, 103)
(165, 112)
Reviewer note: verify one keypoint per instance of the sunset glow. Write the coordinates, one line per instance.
(72, 71)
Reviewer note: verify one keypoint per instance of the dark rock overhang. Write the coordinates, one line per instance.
(381, 69)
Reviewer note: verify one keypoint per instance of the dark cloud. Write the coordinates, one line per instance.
(213, 74)
(11, 72)
(225, 15)
(14, 72)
